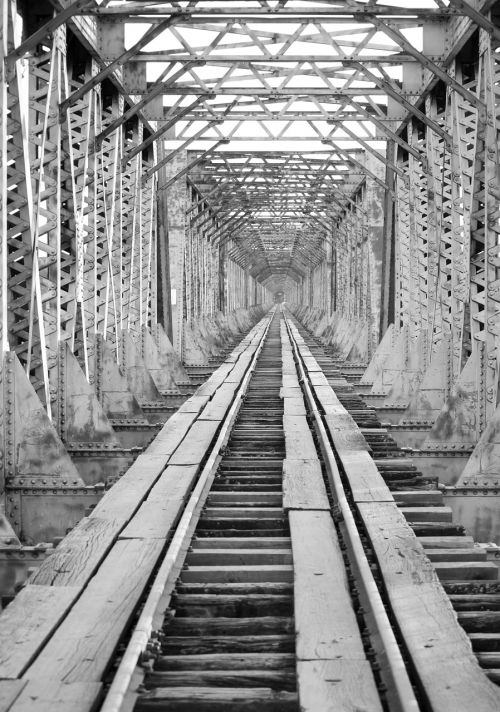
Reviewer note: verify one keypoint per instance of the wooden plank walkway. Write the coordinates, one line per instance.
(66, 623)
(44, 607)
(335, 685)
(9, 692)
(331, 660)
(303, 486)
(325, 623)
(438, 647)
(62, 631)
(425, 615)
(55, 697)
(83, 644)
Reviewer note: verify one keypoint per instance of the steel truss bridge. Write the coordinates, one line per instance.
(243, 192)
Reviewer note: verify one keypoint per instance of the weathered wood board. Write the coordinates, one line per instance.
(192, 450)
(194, 404)
(57, 697)
(337, 686)
(241, 367)
(82, 646)
(218, 406)
(154, 520)
(325, 623)
(298, 439)
(78, 554)
(365, 481)
(294, 406)
(223, 698)
(9, 692)
(439, 648)
(27, 625)
(303, 486)
(290, 380)
(172, 434)
(175, 482)
(317, 377)
(290, 392)
(345, 433)
(311, 364)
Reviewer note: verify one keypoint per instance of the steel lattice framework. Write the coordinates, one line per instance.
(166, 162)
(329, 73)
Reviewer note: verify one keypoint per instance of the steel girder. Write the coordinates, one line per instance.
(118, 182)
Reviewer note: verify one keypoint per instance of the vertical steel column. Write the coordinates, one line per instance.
(177, 202)
(485, 252)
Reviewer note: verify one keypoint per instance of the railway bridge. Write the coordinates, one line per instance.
(250, 350)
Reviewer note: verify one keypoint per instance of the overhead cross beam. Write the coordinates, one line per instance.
(269, 13)
(323, 69)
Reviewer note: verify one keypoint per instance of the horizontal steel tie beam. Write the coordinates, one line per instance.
(196, 90)
(239, 60)
(263, 14)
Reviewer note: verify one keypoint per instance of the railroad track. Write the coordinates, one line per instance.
(296, 566)
(232, 625)
(227, 641)
(230, 633)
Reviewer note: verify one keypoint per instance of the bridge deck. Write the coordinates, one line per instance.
(223, 516)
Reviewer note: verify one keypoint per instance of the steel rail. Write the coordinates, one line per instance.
(152, 614)
(393, 669)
